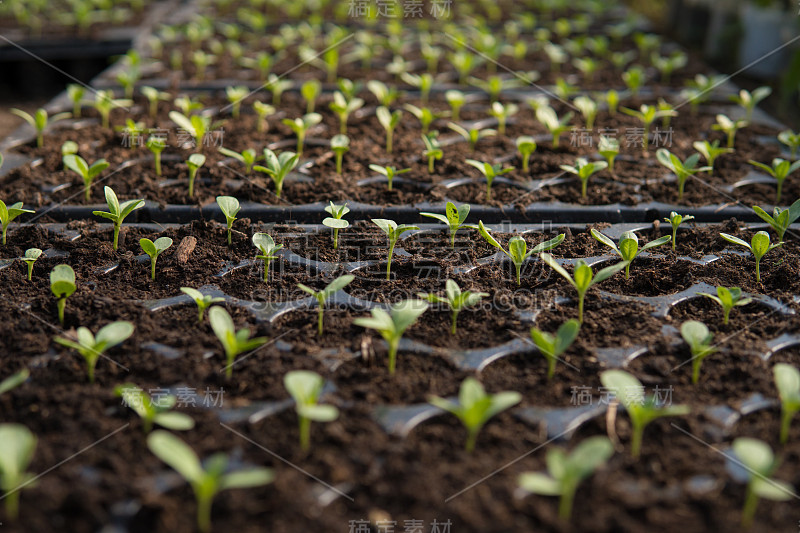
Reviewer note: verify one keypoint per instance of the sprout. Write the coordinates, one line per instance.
(17, 446)
(608, 148)
(546, 115)
(392, 325)
(790, 139)
(729, 127)
(423, 82)
(780, 170)
(669, 112)
(201, 61)
(587, 66)
(393, 231)
(91, 347)
(187, 105)
(154, 249)
(518, 248)
(648, 114)
(153, 96)
(433, 149)
(566, 471)
(490, 172)
(464, 62)
(104, 103)
(8, 214)
(759, 246)
(156, 411)
(551, 347)
(556, 55)
(229, 207)
(203, 301)
(321, 296)
(117, 212)
(582, 278)
(384, 94)
(629, 391)
(628, 246)
(781, 219)
(278, 86)
(456, 299)
(787, 381)
(335, 221)
(612, 101)
(472, 135)
(235, 95)
(634, 78)
(234, 342)
(710, 151)
(456, 100)
(262, 111)
(300, 127)
(266, 245)
(676, 220)
(343, 108)
(31, 255)
(75, 94)
(206, 481)
(588, 109)
(454, 217)
(248, 157)
(425, 115)
(525, 146)
(681, 169)
(262, 63)
(584, 170)
(197, 126)
(749, 100)
(14, 380)
(728, 299)
(39, 121)
(310, 91)
(278, 167)
(78, 165)
(349, 88)
(389, 121)
(699, 339)
(156, 145)
(194, 163)
(759, 463)
(501, 113)
(667, 65)
(475, 407)
(388, 172)
(62, 284)
(306, 388)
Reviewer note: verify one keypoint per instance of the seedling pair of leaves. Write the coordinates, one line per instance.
(681, 169)
(760, 463)
(229, 207)
(17, 446)
(781, 219)
(779, 170)
(233, 342)
(518, 248)
(675, 220)
(306, 388)
(154, 249)
(456, 300)
(62, 285)
(154, 413)
(584, 170)
(728, 299)
(30, 257)
(553, 346)
(266, 245)
(787, 381)
(8, 214)
(117, 212)
(454, 217)
(389, 173)
(490, 172)
(699, 339)
(91, 347)
(393, 324)
(628, 246)
(322, 296)
(88, 173)
(39, 121)
(759, 246)
(203, 301)
(336, 220)
(278, 167)
(393, 231)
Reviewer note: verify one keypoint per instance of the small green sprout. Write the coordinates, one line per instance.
(278, 86)
(344, 108)
(634, 78)
(582, 278)
(384, 94)
(248, 157)
(187, 104)
(728, 299)
(547, 116)
(584, 170)
(31, 255)
(75, 94)
(194, 163)
(233, 342)
(8, 214)
(152, 411)
(336, 220)
(525, 146)
(787, 381)
(456, 100)
(425, 115)
(389, 120)
(154, 96)
(729, 127)
(91, 347)
(675, 220)
(629, 391)
(759, 245)
(608, 148)
(263, 111)
(681, 169)
(472, 135)
(393, 231)
(454, 217)
(669, 64)
(203, 301)
(518, 248)
(779, 170)
(760, 463)
(699, 339)
(423, 82)
(104, 103)
(490, 172)
(62, 284)
(306, 387)
(154, 249)
(300, 127)
(79, 166)
(566, 471)
(588, 109)
(456, 299)
(117, 212)
(17, 446)
(336, 285)
(278, 166)
(39, 121)
(612, 98)
(197, 126)
(552, 346)
(206, 481)
(310, 91)
(14, 380)
(340, 144)
(475, 407)
(68, 148)
(266, 245)
(748, 101)
(433, 149)
(229, 207)
(647, 114)
(393, 324)
(710, 151)
(501, 113)
(235, 95)
(791, 140)
(628, 248)
(781, 219)
(156, 145)
(389, 173)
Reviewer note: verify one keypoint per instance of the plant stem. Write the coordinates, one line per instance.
(12, 506)
(726, 314)
(204, 513)
(87, 192)
(674, 232)
(305, 433)
(229, 233)
(191, 184)
(454, 316)
(388, 141)
(681, 183)
(786, 420)
(319, 321)
(393, 344)
(116, 236)
(472, 437)
(565, 503)
(430, 165)
(39, 139)
(584, 183)
(749, 509)
(335, 238)
(389, 180)
(30, 270)
(389, 262)
(5, 228)
(339, 156)
(778, 192)
(646, 138)
(158, 163)
(266, 270)
(628, 270)
(758, 270)
(61, 303)
(518, 267)
(636, 440)
(696, 362)
(229, 369)
(153, 268)
(525, 162)
(581, 296)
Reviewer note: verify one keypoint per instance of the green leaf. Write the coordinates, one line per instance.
(254, 477)
(174, 421)
(756, 455)
(229, 205)
(14, 380)
(787, 381)
(604, 240)
(619, 382)
(114, 333)
(62, 281)
(17, 445)
(176, 454)
(539, 483)
(734, 240)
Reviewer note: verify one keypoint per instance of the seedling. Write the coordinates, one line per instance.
(699, 339)
(9, 213)
(787, 381)
(681, 169)
(791, 140)
(278, 166)
(91, 347)
(728, 299)
(306, 388)
(206, 481)
(710, 151)
(781, 219)
(612, 98)
(156, 145)
(14, 380)
(336, 220)
(262, 111)
(454, 217)
(629, 391)
(336, 285)
(675, 221)
(343, 108)
(278, 86)
(566, 471)
(300, 127)
(31, 255)
(339, 145)
(749, 100)
(423, 82)
(425, 115)
(62, 284)
(266, 245)
(729, 127)
(203, 301)
(552, 346)
(17, 446)
(582, 278)
(608, 148)
(310, 91)
(389, 173)
(518, 248)
(455, 299)
(194, 163)
(628, 246)
(634, 78)
(235, 95)
(393, 231)
(525, 146)
(233, 342)
(475, 407)
(389, 121)
(39, 121)
(779, 170)
(760, 463)
(759, 246)
(648, 114)
(384, 94)
(393, 324)
(196, 126)
(117, 212)
(584, 170)
(472, 135)
(248, 157)
(154, 411)
(433, 150)
(229, 207)
(501, 113)
(588, 109)
(546, 115)
(104, 103)
(78, 165)
(154, 249)
(490, 172)
(75, 94)
(154, 96)
(456, 100)
(667, 65)
(187, 104)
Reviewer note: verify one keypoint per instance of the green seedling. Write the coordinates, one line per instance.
(62, 285)
(393, 232)
(681, 169)
(248, 157)
(728, 299)
(91, 347)
(75, 94)
(699, 339)
(229, 207)
(525, 146)
(787, 381)
(194, 163)
(612, 99)
(14, 380)
(154, 412)
(154, 96)
(203, 301)
(456, 100)
(261, 63)
(278, 166)
(17, 446)
(425, 115)
(759, 245)
(104, 103)
(389, 173)
(490, 172)
(278, 86)
(156, 145)
(263, 111)
(233, 342)
(9, 213)
(518, 248)
(729, 127)
(389, 120)
(642, 410)
(547, 116)
(781, 219)
(187, 104)
(306, 387)
(433, 149)
(68, 148)
(791, 140)
(336, 285)
(608, 148)
(310, 91)
(552, 346)
(31, 255)
(566, 471)
(117, 212)
(235, 95)
(266, 245)
(349, 88)
(634, 78)
(393, 324)
(206, 481)
(344, 108)
(39, 121)
(454, 217)
(760, 463)
(675, 220)
(584, 170)
(384, 94)
(196, 126)
(455, 299)
(336, 221)
(472, 135)
(475, 407)
(779, 170)
(88, 173)
(423, 82)
(748, 101)
(647, 114)
(710, 151)
(588, 109)
(669, 64)
(300, 127)
(628, 246)
(501, 113)
(340, 144)
(154, 249)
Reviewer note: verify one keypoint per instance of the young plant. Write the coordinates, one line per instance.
(343, 108)
(393, 232)
(728, 299)
(336, 221)
(779, 170)
(339, 145)
(681, 169)
(425, 115)
(393, 324)
(389, 121)
(389, 173)
(501, 113)
(300, 127)
(278, 167)
(584, 170)
(490, 172)
(235, 95)
(456, 100)
(472, 135)
(62, 285)
(608, 148)
(263, 111)
(266, 245)
(588, 109)
(233, 342)
(759, 245)
(423, 82)
(455, 299)
(454, 217)
(75, 94)
(104, 103)
(475, 407)
(546, 115)
(666, 65)
(566, 471)
(196, 126)
(552, 346)
(206, 481)
(433, 149)
(154, 96)
(17, 446)
(31, 255)
(194, 163)
(699, 339)
(748, 101)
(675, 220)
(39, 121)
(781, 219)
(91, 347)
(154, 412)
(306, 387)
(634, 78)
(203, 301)
(79, 166)
(8, 214)
(248, 157)
(525, 146)
(518, 247)
(729, 127)
(628, 246)
(384, 94)
(582, 278)
(154, 249)
(760, 463)
(787, 381)
(791, 140)
(229, 207)
(710, 151)
(278, 86)
(629, 391)
(647, 114)
(156, 145)
(336, 285)
(310, 91)
(117, 212)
